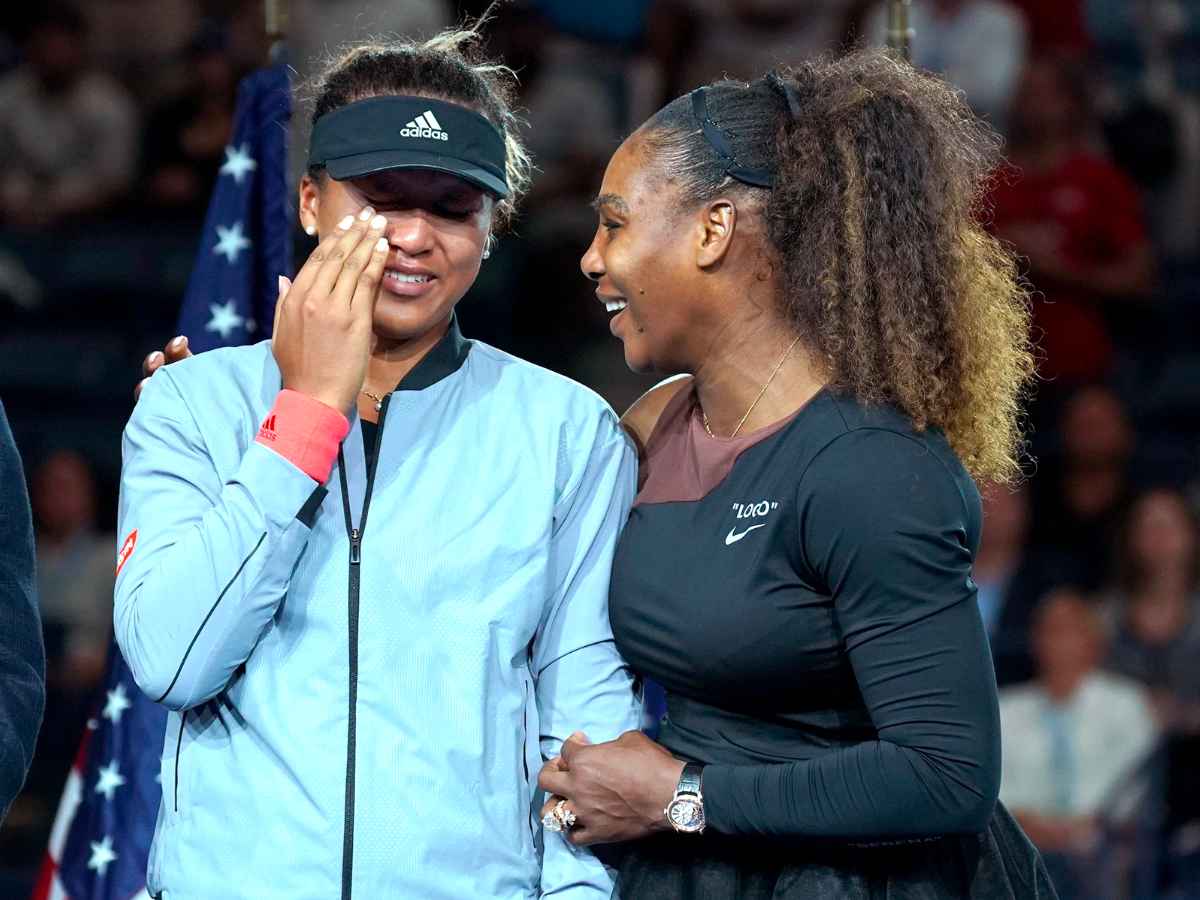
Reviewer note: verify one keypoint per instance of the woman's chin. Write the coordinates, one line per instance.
(637, 360)
(406, 320)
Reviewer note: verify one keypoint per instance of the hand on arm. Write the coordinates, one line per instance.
(618, 790)
(580, 680)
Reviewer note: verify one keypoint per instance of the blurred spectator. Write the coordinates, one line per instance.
(75, 572)
(978, 45)
(186, 136)
(1072, 742)
(1146, 46)
(1157, 639)
(619, 22)
(149, 65)
(1083, 485)
(1056, 28)
(1076, 218)
(1012, 575)
(745, 38)
(68, 134)
(1147, 61)
(585, 90)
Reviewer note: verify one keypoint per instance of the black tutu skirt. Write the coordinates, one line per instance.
(999, 864)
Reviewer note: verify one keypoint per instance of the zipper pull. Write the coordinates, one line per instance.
(355, 547)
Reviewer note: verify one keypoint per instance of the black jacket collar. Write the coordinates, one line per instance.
(444, 358)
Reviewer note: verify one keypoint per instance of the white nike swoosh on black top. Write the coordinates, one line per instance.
(733, 537)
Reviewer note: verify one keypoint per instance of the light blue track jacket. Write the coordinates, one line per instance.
(368, 721)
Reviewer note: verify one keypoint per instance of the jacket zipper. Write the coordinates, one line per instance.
(356, 536)
(525, 762)
(178, 750)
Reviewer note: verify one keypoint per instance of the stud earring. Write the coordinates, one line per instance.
(310, 230)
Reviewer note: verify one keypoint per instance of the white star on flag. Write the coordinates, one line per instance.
(231, 242)
(224, 319)
(118, 702)
(110, 780)
(102, 855)
(238, 162)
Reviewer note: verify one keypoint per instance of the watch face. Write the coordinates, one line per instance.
(686, 814)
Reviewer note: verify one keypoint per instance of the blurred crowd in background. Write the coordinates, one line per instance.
(114, 118)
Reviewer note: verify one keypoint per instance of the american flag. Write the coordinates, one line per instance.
(101, 837)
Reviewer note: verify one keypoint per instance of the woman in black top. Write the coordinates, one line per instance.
(796, 570)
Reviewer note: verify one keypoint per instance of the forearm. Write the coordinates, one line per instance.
(590, 690)
(205, 564)
(192, 605)
(933, 768)
(872, 791)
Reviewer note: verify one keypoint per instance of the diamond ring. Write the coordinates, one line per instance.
(566, 816)
(559, 818)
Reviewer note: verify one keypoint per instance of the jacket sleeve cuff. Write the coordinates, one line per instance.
(305, 432)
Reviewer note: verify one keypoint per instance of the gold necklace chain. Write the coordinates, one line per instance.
(378, 400)
(770, 378)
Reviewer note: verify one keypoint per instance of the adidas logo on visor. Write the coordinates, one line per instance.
(425, 126)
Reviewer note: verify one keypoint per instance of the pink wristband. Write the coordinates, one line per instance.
(305, 432)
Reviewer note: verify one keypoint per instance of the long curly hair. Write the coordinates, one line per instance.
(887, 273)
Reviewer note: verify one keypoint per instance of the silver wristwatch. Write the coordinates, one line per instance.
(685, 812)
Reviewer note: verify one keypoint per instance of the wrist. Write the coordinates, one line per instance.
(305, 431)
(671, 771)
(331, 399)
(685, 812)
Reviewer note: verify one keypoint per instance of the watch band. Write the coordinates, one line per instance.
(690, 779)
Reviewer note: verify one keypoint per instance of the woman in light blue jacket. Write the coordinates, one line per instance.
(366, 564)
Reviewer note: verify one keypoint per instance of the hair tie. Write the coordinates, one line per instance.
(790, 93)
(720, 144)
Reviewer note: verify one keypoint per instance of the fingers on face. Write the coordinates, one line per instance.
(345, 253)
(363, 271)
(321, 254)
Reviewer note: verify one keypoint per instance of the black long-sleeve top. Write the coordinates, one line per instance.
(804, 595)
(22, 657)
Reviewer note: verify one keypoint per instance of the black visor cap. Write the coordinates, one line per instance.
(381, 134)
